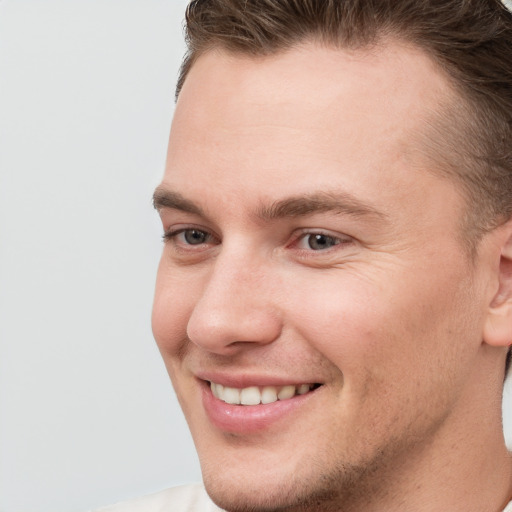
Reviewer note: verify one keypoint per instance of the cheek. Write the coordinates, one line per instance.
(343, 317)
(396, 351)
(172, 306)
(385, 330)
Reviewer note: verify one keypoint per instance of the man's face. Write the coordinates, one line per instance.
(312, 256)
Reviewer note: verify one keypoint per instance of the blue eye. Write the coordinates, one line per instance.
(194, 236)
(190, 237)
(318, 241)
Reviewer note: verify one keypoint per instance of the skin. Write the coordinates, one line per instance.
(404, 330)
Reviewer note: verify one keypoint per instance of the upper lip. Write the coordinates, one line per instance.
(246, 380)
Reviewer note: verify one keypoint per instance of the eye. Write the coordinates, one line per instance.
(317, 241)
(189, 236)
(194, 236)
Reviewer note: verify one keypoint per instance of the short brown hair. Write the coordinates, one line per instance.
(471, 40)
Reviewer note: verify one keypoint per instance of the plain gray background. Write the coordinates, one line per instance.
(87, 414)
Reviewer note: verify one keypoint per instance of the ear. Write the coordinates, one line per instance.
(498, 325)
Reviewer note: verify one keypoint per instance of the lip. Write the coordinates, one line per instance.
(249, 419)
(248, 380)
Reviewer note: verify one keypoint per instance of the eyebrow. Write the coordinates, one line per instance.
(296, 206)
(320, 202)
(163, 198)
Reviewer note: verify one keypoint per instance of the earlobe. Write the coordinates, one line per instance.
(498, 326)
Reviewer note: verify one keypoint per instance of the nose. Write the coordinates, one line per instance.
(236, 307)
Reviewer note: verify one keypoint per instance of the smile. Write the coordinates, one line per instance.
(255, 395)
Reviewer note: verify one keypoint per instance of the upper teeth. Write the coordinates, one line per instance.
(255, 395)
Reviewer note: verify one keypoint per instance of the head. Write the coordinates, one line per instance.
(336, 206)
(470, 41)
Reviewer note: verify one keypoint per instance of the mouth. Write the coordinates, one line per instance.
(245, 405)
(256, 395)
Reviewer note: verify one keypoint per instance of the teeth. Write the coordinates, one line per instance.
(250, 396)
(286, 392)
(254, 395)
(217, 389)
(302, 389)
(268, 395)
(230, 395)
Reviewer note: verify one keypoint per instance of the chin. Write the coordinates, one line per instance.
(290, 495)
(260, 496)
(242, 479)
(251, 484)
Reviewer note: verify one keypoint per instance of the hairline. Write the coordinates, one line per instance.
(475, 221)
(443, 117)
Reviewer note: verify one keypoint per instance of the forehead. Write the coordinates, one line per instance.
(383, 81)
(301, 116)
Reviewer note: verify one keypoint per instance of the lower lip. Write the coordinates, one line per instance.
(246, 419)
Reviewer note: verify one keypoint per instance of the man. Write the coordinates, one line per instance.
(334, 298)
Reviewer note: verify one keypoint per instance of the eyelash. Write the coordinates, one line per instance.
(316, 237)
(335, 241)
(172, 235)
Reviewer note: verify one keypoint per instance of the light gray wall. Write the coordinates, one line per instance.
(87, 416)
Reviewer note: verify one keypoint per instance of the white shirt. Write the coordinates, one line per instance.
(186, 498)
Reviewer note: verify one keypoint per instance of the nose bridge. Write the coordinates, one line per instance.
(236, 304)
